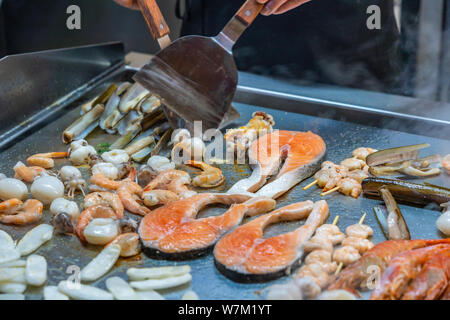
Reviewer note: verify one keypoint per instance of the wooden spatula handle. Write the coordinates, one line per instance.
(249, 11)
(154, 18)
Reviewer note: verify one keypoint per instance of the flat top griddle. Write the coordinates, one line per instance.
(340, 136)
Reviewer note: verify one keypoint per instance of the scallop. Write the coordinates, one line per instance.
(109, 170)
(443, 223)
(60, 205)
(81, 155)
(101, 231)
(47, 188)
(116, 156)
(13, 188)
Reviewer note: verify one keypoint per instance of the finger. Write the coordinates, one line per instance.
(272, 6)
(290, 5)
(262, 1)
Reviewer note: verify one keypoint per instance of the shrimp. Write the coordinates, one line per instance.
(315, 271)
(163, 179)
(129, 244)
(362, 245)
(126, 193)
(402, 269)
(210, 177)
(27, 174)
(319, 242)
(10, 206)
(45, 160)
(353, 164)
(29, 212)
(359, 231)
(332, 232)
(100, 180)
(91, 213)
(155, 197)
(446, 163)
(323, 258)
(362, 153)
(330, 174)
(346, 255)
(349, 187)
(105, 199)
(359, 175)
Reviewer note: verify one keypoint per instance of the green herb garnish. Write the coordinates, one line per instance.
(102, 147)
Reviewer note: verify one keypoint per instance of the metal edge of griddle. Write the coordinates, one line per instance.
(42, 114)
(336, 110)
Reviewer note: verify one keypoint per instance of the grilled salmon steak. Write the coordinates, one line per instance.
(172, 232)
(244, 255)
(302, 153)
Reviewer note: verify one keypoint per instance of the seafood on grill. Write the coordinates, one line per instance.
(13, 188)
(47, 188)
(28, 212)
(173, 232)
(239, 140)
(443, 222)
(210, 176)
(244, 255)
(86, 122)
(302, 153)
(27, 174)
(446, 163)
(72, 180)
(45, 160)
(358, 274)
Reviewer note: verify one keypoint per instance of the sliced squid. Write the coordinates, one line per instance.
(157, 273)
(7, 274)
(12, 287)
(149, 295)
(83, 292)
(52, 293)
(120, 289)
(190, 295)
(12, 296)
(101, 264)
(35, 238)
(336, 295)
(158, 284)
(8, 251)
(36, 270)
(14, 264)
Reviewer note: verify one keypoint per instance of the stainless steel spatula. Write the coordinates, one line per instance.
(196, 76)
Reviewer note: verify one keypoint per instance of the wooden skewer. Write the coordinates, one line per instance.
(335, 221)
(310, 185)
(330, 191)
(339, 268)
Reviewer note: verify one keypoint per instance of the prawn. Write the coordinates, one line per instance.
(349, 187)
(332, 232)
(129, 244)
(105, 199)
(27, 174)
(127, 192)
(362, 245)
(155, 197)
(29, 212)
(45, 160)
(91, 213)
(10, 206)
(362, 153)
(359, 231)
(346, 255)
(209, 178)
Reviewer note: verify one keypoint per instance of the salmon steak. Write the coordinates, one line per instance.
(173, 232)
(244, 255)
(302, 153)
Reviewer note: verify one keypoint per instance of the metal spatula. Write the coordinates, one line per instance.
(196, 76)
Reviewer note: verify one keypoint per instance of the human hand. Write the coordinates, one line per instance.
(279, 6)
(132, 4)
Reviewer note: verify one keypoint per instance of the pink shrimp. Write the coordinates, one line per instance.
(29, 212)
(45, 160)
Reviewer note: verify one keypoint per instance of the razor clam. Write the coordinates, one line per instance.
(162, 142)
(394, 155)
(405, 191)
(111, 109)
(83, 123)
(142, 154)
(145, 152)
(149, 104)
(101, 99)
(147, 122)
(132, 97)
(397, 227)
(130, 122)
(139, 145)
